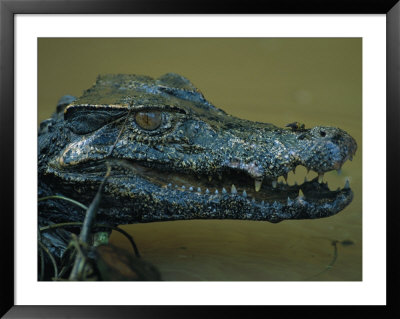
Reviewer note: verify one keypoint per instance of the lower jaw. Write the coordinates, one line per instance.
(152, 205)
(211, 200)
(144, 202)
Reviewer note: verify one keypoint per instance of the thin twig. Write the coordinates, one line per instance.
(42, 246)
(54, 226)
(77, 272)
(80, 259)
(92, 210)
(130, 238)
(67, 264)
(120, 133)
(64, 198)
(330, 265)
(77, 224)
(335, 254)
(41, 256)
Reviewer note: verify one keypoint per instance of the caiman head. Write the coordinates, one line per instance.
(173, 155)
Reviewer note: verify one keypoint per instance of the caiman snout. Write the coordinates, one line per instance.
(271, 154)
(323, 149)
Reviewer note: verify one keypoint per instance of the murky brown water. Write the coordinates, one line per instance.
(313, 81)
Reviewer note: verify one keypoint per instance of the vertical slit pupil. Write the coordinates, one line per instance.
(148, 120)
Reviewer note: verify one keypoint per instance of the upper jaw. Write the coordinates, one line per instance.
(261, 176)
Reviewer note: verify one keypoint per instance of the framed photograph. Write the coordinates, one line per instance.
(235, 154)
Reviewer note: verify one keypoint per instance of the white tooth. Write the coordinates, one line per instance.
(207, 191)
(320, 177)
(183, 187)
(289, 201)
(347, 184)
(176, 186)
(191, 188)
(262, 203)
(199, 189)
(244, 194)
(257, 184)
(301, 195)
(169, 185)
(216, 192)
(273, 184)
(224, 190)
(233, 189)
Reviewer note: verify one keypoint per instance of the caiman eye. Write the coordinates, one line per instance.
(148, 120)
(322, 133)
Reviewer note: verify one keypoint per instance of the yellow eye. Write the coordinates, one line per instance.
(148, 120)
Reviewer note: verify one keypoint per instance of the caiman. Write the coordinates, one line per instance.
(175, 156)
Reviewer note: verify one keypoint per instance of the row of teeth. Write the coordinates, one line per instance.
(234, 190)
(258, 181)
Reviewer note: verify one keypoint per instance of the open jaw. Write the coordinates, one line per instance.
(230, 194)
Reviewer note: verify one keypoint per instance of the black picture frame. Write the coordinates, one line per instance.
(8, 10)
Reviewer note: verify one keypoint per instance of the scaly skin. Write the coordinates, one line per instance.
(185, 168)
